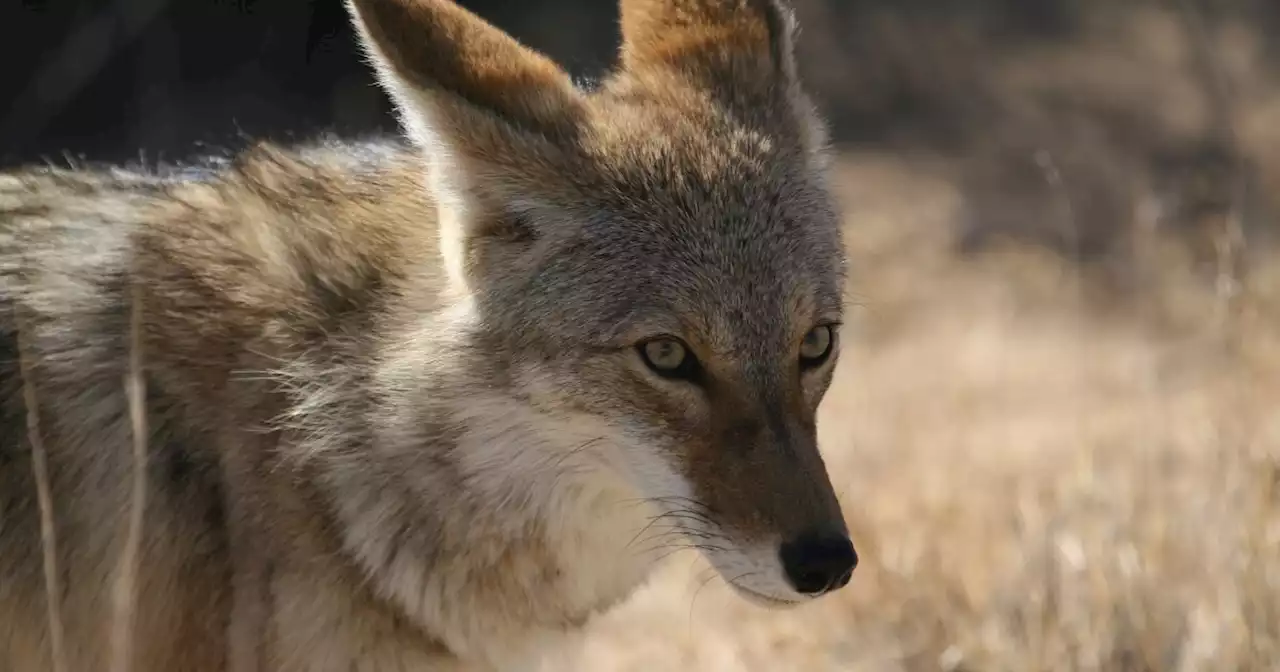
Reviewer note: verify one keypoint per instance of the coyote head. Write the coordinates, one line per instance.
(659, 253)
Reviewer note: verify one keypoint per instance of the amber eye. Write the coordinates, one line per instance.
(816, 346)
(669, 358)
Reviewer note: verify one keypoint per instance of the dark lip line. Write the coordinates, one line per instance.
(766, 598)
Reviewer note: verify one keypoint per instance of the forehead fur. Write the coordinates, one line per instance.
(697, 218)
(687, 188)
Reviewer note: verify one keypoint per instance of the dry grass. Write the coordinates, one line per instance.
(124, 593)
(1037, 477)
(125, 590)
(44, 498)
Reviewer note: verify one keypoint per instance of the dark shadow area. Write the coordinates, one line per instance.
(108, 79)
(1027, 106)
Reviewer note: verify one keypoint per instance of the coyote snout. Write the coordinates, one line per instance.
(785, 539)
(753, 493)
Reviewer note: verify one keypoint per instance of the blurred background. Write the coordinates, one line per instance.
(1054, 429)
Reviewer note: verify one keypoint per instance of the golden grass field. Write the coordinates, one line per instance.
(1037, 476)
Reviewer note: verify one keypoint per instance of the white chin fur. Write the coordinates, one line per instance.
(755, 573)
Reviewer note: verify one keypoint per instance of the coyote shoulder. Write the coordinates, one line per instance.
(429, 403)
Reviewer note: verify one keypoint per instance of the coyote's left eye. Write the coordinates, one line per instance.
(669, 358)
(816, 346)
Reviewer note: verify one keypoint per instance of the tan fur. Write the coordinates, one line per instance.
(398, 417)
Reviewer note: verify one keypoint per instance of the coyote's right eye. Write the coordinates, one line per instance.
(669, 358)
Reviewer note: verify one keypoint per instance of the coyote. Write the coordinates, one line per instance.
(430, 403)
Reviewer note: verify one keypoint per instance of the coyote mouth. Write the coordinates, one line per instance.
(765, 600)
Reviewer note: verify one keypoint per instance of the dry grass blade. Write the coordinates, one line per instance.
(1228, 236)
(48, 534)
(126, 586)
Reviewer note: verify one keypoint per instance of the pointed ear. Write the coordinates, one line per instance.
(746, 44)
(499, 123)
(739, 52)
(460, 80)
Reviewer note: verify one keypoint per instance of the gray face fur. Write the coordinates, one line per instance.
(684, 199)
(728, 242)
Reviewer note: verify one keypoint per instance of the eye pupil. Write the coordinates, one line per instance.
(669, 358)
(664, 353)
(816, 346)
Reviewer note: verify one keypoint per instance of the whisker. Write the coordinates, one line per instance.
(682, 535)
(676, 518)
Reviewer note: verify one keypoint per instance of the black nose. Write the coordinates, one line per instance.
(818, 563)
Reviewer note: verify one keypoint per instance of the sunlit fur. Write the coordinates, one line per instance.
(400, 378)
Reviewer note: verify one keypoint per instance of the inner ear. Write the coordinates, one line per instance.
(462, 82)
(746, 44)
(738, 53)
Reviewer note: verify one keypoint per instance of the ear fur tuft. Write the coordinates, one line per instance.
(746, 42)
